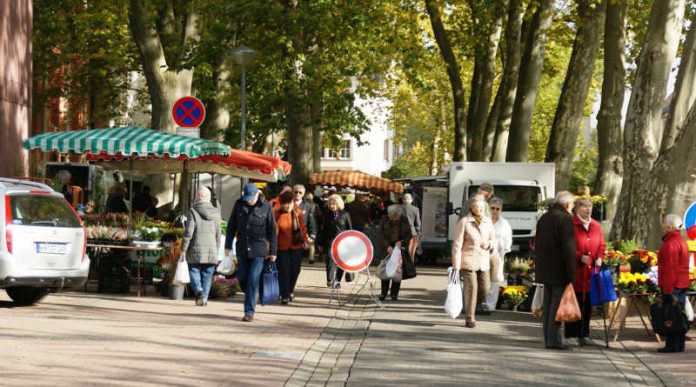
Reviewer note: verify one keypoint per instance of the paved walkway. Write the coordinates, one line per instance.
(77, 338)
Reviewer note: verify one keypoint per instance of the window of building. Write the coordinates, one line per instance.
(345, 153)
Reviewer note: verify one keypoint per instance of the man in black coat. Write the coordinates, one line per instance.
(253, 224)
(555, 262)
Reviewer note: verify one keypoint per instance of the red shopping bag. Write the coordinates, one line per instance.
(568, 310)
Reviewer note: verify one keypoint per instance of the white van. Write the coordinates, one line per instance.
(42, 242)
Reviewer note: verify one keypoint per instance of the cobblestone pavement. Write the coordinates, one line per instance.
(77, 338)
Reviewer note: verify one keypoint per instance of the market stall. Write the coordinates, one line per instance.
(151, 152)
(355, 179)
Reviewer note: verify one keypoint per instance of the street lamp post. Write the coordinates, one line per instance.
(243, 56)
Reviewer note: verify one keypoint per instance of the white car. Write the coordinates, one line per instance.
(42, 242)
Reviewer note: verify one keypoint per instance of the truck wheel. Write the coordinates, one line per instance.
(26, 295)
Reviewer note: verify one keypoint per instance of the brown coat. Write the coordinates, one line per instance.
(467, 253)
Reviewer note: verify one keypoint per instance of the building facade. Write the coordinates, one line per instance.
(377, 153)
(15, 84)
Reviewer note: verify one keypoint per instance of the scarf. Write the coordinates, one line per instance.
(477, 218)
(585, 223)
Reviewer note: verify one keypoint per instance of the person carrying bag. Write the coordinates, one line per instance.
(394, 235)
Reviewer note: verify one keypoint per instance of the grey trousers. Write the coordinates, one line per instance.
(476, 285)
(552, 329)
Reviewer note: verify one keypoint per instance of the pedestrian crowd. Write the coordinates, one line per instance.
(570, 245)
(285, 229)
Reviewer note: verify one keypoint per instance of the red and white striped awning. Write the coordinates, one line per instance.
(355, 179)
(238, 163)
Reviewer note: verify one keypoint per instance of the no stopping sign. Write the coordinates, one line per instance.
(351, 251)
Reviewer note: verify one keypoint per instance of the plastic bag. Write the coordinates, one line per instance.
(454, 302)
(382, 269)
(689, 310)
(394, 265)
(181, 276)
(569, 309)
(602, 287)
(226, 266)
(538, 300)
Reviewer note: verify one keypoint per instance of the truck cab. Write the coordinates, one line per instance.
(521, 186)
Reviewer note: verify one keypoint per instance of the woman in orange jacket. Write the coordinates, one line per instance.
(292, 240)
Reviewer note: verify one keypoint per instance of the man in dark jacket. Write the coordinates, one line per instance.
(555, 262)
(253, 225)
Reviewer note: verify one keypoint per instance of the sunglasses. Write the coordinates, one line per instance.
(495, 208)
(299, 192)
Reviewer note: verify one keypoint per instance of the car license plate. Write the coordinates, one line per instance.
(515, 248)
(51, 248)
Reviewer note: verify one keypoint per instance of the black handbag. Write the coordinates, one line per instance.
(408, 268)
(668, 317)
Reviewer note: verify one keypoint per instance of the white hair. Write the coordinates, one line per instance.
(203, 194)
(672, 220)
(408, 198)
(564, 197)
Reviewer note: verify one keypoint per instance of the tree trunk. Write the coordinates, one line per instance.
(684, 89)
(440, 127)
(643, 119)
(165, 83)
(530, 72)
(487, 66)
(316, 113)
(297, 112)
(217, 111)
(454, 78)
(569, 112)
(669, 189)
(508, 85)
(609, 129)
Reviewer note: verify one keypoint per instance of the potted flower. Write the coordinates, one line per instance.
(223, 288)
(514, 296)
(147, 237)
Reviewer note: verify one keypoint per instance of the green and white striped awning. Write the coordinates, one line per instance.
(126, 141)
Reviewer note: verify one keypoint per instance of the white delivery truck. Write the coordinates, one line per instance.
(521, 186)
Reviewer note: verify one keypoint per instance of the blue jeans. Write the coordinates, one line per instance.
(201, 278)
(249, 276)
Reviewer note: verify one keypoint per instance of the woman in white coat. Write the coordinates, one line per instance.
(501, 246)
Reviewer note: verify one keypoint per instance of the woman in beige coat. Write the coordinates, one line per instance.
(471, 252)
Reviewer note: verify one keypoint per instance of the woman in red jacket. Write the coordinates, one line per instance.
(673, 272)
(292, 240)
(590, 247)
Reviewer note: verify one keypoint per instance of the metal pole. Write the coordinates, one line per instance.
(243, 92)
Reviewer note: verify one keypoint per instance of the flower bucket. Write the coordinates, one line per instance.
(176, 292)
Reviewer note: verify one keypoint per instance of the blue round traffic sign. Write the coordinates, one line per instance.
(690, 216)
(188, 112)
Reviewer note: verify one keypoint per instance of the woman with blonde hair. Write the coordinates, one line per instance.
(474, 239)
(335, 220)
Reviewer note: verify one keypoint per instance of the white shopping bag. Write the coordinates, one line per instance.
(226, 266)
(454, 302)
(181, 276)
(538, 300)
(394, 265)
(689, 310)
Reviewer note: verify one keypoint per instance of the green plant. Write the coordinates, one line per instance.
(626, 247)
(148, 234)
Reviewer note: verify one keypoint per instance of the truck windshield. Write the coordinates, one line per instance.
(515, 197)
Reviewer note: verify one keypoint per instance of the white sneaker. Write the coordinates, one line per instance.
(572, 341)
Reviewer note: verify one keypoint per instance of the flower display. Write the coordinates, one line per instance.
(520, 266)
(515, 295)
(614, 258)
(637, 283)
(641, 260)
(223, 287)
